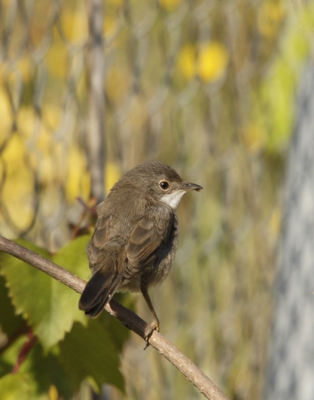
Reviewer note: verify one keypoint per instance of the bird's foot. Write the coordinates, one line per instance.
(153, 326)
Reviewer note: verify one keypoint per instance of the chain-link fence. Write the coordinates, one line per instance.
(89, 89)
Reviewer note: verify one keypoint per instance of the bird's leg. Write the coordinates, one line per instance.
(155, 324)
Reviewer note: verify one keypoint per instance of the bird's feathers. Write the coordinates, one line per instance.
(98, 291)
(147, 237)
(118, 262)
(135, 238)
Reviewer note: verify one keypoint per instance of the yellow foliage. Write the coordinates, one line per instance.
(35, 143)
(22, 69)
(307, 18)
(137, 113)
(275, 222)
(5, 112)
(78, 179)
(43, 152)
(51, 116)
(74, 23)
(118, 81)
(269, 18)
(255, 137)
(44, 143)
(78, 182)
(116, 2)
(39, 132)
(212, 61)
(48, 167)
(18, 186)
(170, 5)
(110, 25)
(13, 153)
(25, 67)
(57, 58)
(26, 121)
(2, 73)
(186, 61)
(33, 130)
(113, 174)
(53, 393)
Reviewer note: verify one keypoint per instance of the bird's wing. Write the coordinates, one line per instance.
(150, 233)
(106, 258)
(99, 241)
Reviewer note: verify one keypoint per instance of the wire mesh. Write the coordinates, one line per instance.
(89, 89)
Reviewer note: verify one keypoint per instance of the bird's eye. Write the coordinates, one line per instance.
(164, 185)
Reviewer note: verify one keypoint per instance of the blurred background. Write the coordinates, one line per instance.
(89, 89)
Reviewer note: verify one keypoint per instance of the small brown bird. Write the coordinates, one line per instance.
(136, 236)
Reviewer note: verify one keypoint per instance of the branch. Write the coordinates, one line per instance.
(125, 316)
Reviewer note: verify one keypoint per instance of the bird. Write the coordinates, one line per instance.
(136, 236)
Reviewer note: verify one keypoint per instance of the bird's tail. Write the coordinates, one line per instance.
(98, 291)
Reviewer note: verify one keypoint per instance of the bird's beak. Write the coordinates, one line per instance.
(191, 186)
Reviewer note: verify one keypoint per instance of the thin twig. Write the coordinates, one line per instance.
(26, 348)
(125, 316)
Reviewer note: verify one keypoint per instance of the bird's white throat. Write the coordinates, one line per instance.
(173, 199)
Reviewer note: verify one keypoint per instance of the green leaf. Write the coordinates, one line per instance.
(46, 370)
(49, 306)
(15, 386)
(51, 309)
(118, 333)
(9, 355)
(73, 257)
(10, 322)
(39, 370)
(91, 352)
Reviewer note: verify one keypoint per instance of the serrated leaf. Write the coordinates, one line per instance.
(9, 321)
(73, 257)
(91, 352)
(49, 306)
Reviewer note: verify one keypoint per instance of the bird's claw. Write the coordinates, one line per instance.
(154, 326)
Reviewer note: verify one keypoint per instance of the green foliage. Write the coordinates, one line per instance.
(49, 307)
(91, 352)
(9, 321)
(69, 348)
(14, 387)
(276, 94)
(44, 370)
